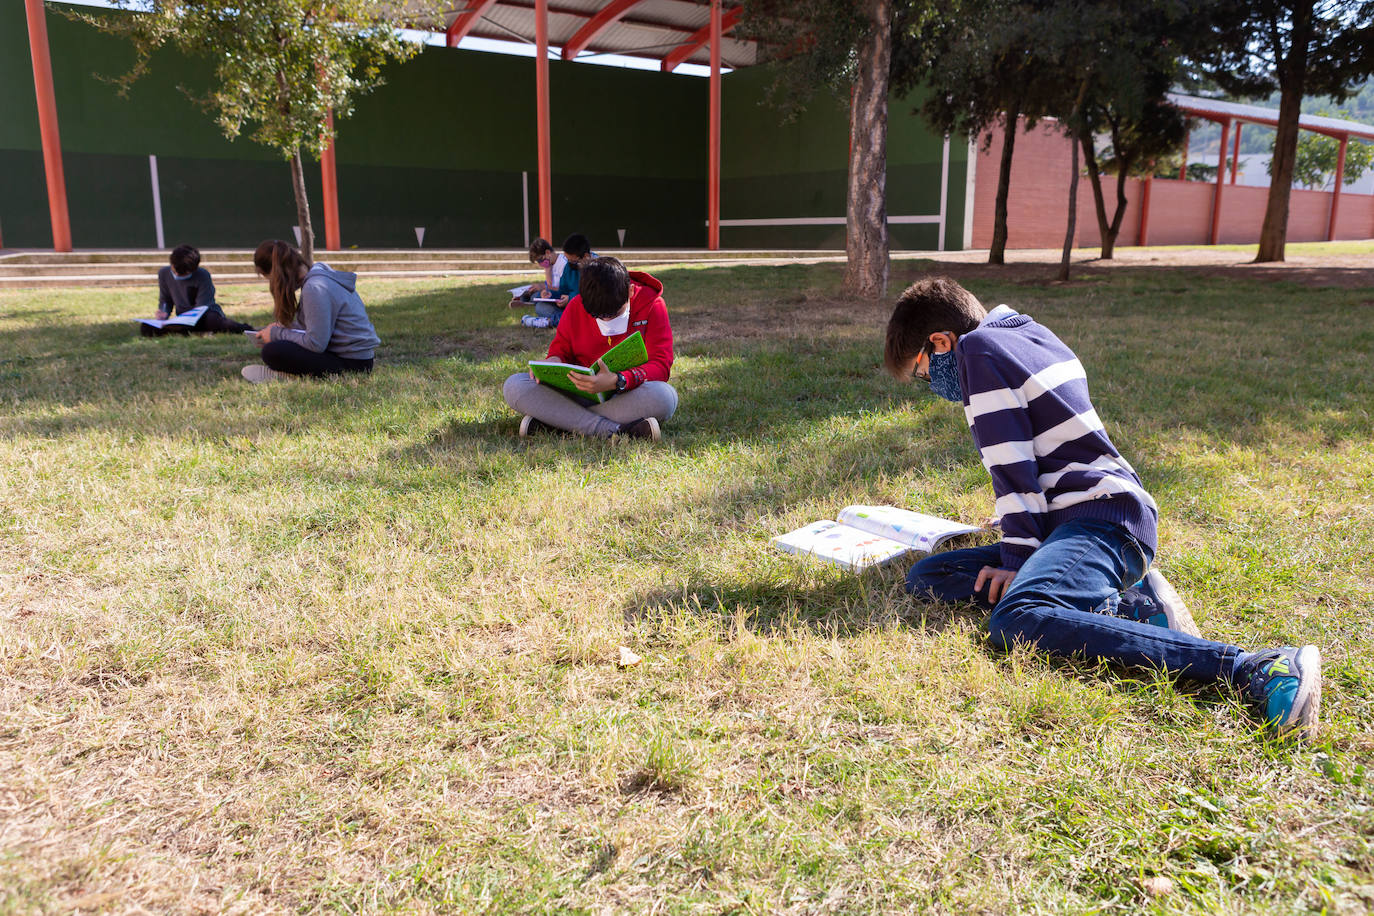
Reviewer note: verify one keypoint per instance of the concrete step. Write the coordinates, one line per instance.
(228, 268)
(106, 276)
(358, 255)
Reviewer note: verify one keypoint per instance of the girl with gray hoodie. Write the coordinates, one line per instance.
(321, 325)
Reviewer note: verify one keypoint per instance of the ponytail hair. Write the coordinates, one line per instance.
(281, 264)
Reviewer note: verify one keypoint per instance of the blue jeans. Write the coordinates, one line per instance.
(1061, 601)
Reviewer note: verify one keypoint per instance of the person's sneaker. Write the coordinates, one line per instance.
(1285, 685)
(257, 373)
(529, 426)
(536, 321)
(646, 428)
(1154, 601)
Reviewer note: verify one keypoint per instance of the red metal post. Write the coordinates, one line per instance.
(1336, 190)
(1144, 234)
(1235, 152)
(1183, 167)
(1221, 182)
(674, 58)
(713, 162)
(330, 199)
(541, 97)
(47, 126)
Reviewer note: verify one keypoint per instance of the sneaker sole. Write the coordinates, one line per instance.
(1302, 718)
(1183, 619)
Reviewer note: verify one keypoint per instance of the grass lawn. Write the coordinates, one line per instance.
(351, 646)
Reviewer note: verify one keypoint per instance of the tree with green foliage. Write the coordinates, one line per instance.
(280, 66)
(1315, 162)
(1131, 54)
(1301, 48)
(980, 61)
(845, 47)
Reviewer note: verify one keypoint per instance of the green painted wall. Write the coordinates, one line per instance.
(442, 145)
(772, 170)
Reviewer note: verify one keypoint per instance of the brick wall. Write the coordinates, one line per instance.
(1180, 211)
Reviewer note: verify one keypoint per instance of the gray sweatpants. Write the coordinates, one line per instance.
(584, 415)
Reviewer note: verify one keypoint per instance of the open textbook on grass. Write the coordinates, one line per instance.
(627, 354)
(868, 536)
(187, 318)
(519, 291)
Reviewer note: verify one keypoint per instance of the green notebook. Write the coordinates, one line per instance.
(627, 354)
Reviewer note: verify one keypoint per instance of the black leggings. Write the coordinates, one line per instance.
(293, 359)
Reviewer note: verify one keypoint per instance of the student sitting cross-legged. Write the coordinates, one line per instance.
(613, 304)
(321, 325)
(1078, 527)
(577, 251)
(553, 263)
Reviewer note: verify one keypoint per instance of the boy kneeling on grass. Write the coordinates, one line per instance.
(613, 304)
(1078, 528)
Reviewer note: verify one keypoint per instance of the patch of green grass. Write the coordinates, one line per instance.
(352, 645)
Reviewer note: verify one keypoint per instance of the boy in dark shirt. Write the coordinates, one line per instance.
(1078, 527)
(184, 285)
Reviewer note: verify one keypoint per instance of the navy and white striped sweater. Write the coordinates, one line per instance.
(1026, 400)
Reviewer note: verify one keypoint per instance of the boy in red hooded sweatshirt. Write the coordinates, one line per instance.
(613, 303)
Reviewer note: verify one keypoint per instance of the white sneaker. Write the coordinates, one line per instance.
(257, 373)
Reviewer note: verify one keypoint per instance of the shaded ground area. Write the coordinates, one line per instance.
(1344, 265)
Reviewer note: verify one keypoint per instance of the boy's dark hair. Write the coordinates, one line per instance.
(576, 245)
(184, 259)
(604, 287)
(538, 248)
(927, 307)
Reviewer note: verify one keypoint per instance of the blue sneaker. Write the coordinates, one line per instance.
(1153, 600)
(1286, 685)
(536, 321)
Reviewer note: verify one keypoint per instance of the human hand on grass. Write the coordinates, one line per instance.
(602, 381)
(997, 581)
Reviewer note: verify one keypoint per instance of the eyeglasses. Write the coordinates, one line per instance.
(917, 371)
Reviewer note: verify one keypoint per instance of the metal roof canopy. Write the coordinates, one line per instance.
(1217, 110)
(1225, 113)
(672, 32)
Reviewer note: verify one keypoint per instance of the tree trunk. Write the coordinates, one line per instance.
(1274, 231)
(302, 207)
(1292, 73)
(1109, 240)
(1073, 218)
(1104, 232)
(997, 254)
(866, 273)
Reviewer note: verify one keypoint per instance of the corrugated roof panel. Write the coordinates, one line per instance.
(1258, 114)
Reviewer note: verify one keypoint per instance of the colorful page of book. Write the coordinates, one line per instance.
(627, 354)
(850, 548)
(916, 529)
(187, 318)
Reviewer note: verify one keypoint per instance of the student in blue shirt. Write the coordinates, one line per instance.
(578, 251)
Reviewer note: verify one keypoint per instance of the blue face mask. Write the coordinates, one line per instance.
(944, 377)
